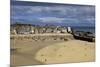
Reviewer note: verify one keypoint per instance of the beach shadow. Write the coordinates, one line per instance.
(30, 55)
(30, 60)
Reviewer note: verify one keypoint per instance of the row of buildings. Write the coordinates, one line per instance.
(36, 29)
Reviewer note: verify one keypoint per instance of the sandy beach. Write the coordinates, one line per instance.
(51, 33)
(30, 52)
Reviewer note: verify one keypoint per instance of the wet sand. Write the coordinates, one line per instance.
(30, 52)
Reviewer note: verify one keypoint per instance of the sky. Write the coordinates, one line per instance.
(89, 2)
(52, 13)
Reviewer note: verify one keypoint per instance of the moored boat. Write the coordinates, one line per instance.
(86, 36)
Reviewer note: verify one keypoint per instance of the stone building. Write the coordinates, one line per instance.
(21, 29)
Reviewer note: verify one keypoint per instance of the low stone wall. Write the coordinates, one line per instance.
(43, 37)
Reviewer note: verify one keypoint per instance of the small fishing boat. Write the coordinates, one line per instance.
(86, 36)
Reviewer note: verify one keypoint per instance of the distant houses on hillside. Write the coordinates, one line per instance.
(35, 29)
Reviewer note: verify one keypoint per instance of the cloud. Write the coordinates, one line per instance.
(91, 20)
(54, 14)
(51, 19)
(70, 11)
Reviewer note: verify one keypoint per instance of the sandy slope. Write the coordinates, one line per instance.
(29, 52)
(71, 51)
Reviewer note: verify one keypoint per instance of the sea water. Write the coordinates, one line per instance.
(85, 29)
